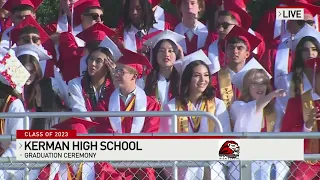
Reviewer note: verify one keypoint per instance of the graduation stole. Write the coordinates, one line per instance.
(269, 119)
(183, 122)
(225, 85)
(307, 106)
(129, 106)
(72, 176)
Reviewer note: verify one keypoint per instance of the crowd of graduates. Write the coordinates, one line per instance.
(262, 80)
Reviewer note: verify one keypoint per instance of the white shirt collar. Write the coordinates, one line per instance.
(185, 29)
(135, 30)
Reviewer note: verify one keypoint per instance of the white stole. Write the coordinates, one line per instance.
(76, 30)
(43, 65)
(160, 19)
(139, 105)
(213, 54)
(253, 33)
(281, 63)
(201, 31)
(62, 25)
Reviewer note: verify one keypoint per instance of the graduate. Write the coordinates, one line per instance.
(302, 115)
(139, 20)
(18, 9)
(256, 111)
(129, 97)
(280, 61)
(28, 31)
(163, 81)
(195, 32)
(75, 56)
(84, 170)
(86, 91)
(232, 15)
(239, 44)
(11, 88)
(197, 94)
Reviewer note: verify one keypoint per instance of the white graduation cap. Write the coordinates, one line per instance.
(237, 79)
(166, 34)
(181, 64)
(38, 52)
(307, 30)
(113, 48)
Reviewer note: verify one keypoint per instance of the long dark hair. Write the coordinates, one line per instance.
(6, 91)
(31, 89)
(298, 64)
(152, 78)
(50, 102)
(148, 18)
(186, 79)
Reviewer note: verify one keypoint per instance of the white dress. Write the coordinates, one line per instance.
(248, 120)
(217, 168)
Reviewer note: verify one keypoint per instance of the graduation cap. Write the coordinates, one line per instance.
(98, 31)
(10, 4)
(166, 34)
(113, 48)
(241, 3)
(242, 17)
(315, 65)
(154, 2)
(39, 53)
(80, 125)
(28, 21)
(136, 61)
(181, 64)
(251, 40)
(307, 30)
(308, 8)
(237, 79)
(81, 6)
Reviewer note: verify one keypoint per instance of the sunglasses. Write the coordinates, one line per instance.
(310, 22)
(224, 25)
(94, 16)
(29, 40)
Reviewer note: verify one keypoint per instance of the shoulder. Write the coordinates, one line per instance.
(152, 104)
(75, 81)
(16, 106)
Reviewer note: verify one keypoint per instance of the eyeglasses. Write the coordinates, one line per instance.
(224, 25)
(29, 40)
(94, 16)
(120, 72)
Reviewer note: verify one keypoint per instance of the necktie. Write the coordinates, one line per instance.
(139, 34)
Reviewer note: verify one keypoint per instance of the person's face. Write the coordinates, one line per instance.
(309, 51)
(258, 86)
(200, 79)
(18, 16)
(29, 39)
(38, 95)
(92, 17)
(166, 56)
(96, 64)
(190, 9)
(135, 12)
(309, 20)
(237, 52)
(224, 25)
(124, 75)
(32, 70)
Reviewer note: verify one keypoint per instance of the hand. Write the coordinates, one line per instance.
(110, 64)
(278, 93)
(313, 116)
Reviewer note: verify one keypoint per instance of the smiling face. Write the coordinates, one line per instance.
(199, 80)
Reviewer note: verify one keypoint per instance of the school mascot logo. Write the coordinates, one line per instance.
(229, 150)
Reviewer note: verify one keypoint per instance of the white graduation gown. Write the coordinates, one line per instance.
(83, 64)
(217, 167)
(5, 39)
(248, 120)
(11, 126)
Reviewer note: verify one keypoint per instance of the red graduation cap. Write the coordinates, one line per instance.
(308, 8)
(97, 31)
(241, 3)
(10, 4)
(28, 21)
(154, 2)
(137, 61)
(80, 6)
(80, 125)
(315, 65)
(242, 17)
(251, 41)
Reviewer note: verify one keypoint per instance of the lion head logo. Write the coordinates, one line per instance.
(230, 149)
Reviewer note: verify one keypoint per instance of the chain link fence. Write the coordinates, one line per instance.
(11, 169)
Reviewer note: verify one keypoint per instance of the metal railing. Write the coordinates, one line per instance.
(245, 166)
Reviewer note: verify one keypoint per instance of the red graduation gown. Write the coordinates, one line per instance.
(293, 122)
(70, 55)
